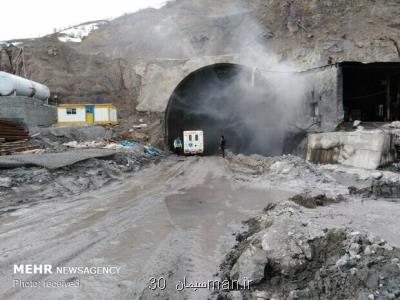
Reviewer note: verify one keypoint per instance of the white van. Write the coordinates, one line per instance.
(193, 142)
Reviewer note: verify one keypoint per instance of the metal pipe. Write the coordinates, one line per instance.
(11, 84)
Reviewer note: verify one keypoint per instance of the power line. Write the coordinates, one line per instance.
(367, 96)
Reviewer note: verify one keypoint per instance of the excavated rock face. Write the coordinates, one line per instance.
(6, 60)
(306, 31)
(359, 30)
(181, 29)
(11, 59)
(70, 73)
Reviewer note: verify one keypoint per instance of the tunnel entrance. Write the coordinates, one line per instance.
(371, 92)
(230, 100)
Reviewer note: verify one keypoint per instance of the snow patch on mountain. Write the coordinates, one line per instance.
(77, 33)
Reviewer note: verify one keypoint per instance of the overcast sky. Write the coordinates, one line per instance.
(34, 18)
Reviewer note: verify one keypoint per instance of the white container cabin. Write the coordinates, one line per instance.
(87, 114)
(193, 142)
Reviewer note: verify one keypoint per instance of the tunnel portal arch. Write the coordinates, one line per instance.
(226, 99)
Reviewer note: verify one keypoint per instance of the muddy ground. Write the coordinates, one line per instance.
(181, 218)
(26, 186)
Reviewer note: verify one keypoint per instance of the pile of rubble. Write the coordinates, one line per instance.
(125, 146)
(301, 249)
(286, 257)
(378, 189)
(278, 165)
(309, 201)
(384, 184)
(70, 160)
(290, 172)
(27, 185)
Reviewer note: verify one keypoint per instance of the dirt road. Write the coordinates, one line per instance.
(172, 220)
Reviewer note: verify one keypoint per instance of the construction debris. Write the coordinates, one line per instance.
(140, 126)
(53, 160)
(65, 134)
(309, 201)
(83, 176)
(287, 258)
(92, 144)
(125, 146)
(34, 155)
(17, 146)
(379, 189)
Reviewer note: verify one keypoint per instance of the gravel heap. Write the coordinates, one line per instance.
(287, 257)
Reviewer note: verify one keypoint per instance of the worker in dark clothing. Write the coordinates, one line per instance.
(178, 146)
(222, 145)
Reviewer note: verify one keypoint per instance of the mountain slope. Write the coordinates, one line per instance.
(100, 66)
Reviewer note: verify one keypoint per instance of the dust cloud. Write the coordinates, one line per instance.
(254, 104)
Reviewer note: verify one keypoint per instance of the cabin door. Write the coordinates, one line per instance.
(89, 114)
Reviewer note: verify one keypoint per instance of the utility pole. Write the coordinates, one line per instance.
(23, 61)
(388, 97)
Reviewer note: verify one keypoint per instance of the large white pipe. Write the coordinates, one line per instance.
(15, 85)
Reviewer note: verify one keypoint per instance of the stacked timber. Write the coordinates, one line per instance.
(12, 131)
(18, 146)
(13, 138)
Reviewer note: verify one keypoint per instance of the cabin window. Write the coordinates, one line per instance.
(196, 137)
(71, 111)
(190, 138)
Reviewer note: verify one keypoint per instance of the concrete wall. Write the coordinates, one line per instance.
(324, 89)
(161, 77)
(323, 86)
(32, 112)
(362, 149)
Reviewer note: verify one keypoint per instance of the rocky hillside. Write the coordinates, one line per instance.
(305, 31)
(98, 63)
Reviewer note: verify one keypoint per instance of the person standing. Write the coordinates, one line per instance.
(178, 146)
(222, 145)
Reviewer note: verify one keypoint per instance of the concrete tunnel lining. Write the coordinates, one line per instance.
(231, 100)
